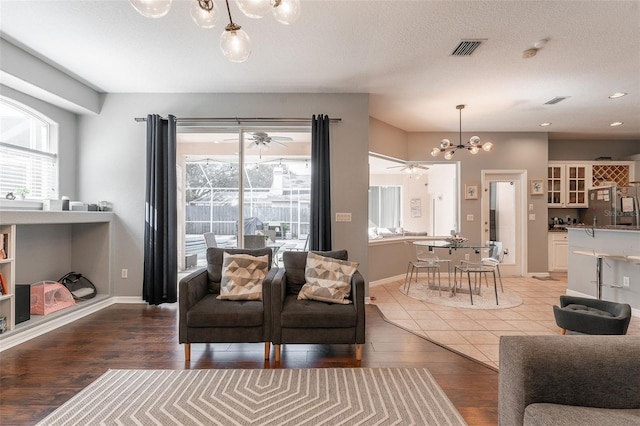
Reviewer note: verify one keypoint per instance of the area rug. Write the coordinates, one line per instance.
(485, 300)
(316, 396)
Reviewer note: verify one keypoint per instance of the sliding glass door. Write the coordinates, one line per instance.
(269, 166)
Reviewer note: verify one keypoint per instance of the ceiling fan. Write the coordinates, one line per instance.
(409, 167)
(262, 140)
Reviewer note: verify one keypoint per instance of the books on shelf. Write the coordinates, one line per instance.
(4, 246)
(3, 285)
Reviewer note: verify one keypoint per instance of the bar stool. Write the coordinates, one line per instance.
(415, 265)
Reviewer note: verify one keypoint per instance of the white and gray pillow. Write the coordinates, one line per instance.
(242, 276)
(327, 279)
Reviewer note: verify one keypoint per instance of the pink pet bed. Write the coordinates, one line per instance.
(48, 297)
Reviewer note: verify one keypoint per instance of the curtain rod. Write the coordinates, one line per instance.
(241, 120)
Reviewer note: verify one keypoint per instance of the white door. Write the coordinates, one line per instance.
(504, 193)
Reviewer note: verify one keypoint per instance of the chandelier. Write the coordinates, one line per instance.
(473, 145)
(234, 41)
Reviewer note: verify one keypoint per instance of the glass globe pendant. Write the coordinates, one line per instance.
(254, 8)
(204, 13)
(151, 8)
(286, 11)
(235, 43)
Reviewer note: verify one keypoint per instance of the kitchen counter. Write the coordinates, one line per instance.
(613, 249)
(607, 227)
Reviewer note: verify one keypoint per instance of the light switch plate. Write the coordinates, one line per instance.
(530, 207)
(343, 217)
(532, 216)
(469, 218)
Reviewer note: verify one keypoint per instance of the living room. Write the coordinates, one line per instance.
(101, 147)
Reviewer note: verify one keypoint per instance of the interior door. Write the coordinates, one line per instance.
(502, 217)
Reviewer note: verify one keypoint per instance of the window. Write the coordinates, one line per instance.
(385, 209)
(28, 152)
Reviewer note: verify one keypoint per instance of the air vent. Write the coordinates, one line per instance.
(467, 47)
(556, 100)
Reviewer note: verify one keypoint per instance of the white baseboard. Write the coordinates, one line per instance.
(128, 299)
(386, 280)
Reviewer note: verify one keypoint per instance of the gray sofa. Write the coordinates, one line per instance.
(569, 380)
(205, 319)
(310, 321)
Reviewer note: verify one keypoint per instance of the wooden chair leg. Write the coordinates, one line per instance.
(187, 351)
(276, 350)
(267, 350)
(563, 331)
(358, 352)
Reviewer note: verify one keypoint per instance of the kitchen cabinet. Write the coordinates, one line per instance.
(568, 184)
(558, 251)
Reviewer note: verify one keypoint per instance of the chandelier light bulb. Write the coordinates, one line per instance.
(255, 9)
(151, 8)
(435, 152)
(474, 140)
(235, 44)
(474, 149)
(445, 143)
(487, 146)
(286, 11)
(204, 13)
(448, 155)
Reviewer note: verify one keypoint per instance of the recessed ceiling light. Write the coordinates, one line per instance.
(545, 124)
(616, 123)
(617, 95)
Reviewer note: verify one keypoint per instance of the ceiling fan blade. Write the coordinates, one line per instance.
(281, 138)
(278, 143)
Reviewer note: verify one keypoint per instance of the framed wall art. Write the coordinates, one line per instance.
(470, 192)
(537, 187)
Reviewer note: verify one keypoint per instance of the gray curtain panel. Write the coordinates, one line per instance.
(320, 234)
(160, 232)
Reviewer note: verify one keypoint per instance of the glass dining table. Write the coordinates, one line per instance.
(451, 247)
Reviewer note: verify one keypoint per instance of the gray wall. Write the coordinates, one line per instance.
(513, 151)
(569, 150)
(112, 161)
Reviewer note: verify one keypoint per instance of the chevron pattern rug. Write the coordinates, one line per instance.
(317, 396)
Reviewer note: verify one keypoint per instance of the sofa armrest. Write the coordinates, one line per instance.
(191, 289)
(357, 296)
(588, 371)
(267, 295)
(278, 290)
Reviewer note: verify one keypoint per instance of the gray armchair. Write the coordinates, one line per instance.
(205, 319)
(569, 380)
(311, 321)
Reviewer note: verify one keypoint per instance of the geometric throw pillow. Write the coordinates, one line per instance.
(327, 279)
(242, 276)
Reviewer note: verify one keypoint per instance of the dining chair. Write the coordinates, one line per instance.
(425, 255)
(496, 256)
(415, 265)
(478, 269)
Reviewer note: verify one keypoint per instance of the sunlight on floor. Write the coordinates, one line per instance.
(476, 333)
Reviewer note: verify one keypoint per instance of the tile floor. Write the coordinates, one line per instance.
(476, 333)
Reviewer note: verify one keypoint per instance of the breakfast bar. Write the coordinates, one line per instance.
(604, 263)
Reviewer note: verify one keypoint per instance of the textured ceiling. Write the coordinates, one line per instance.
(396, 50)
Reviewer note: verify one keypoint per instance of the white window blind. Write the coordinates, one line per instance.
(28, 152)
(28, 168)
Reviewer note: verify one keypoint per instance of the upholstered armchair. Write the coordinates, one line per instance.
(204, 318)
(312, 321)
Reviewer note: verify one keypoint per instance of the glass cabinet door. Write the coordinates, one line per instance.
(554, 185)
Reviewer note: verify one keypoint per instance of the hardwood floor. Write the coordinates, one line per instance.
(38, 376)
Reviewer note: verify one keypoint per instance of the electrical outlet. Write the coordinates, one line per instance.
(625, 281)
(125, 273)
(470, 218)
(466, 256)
(530, 207)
